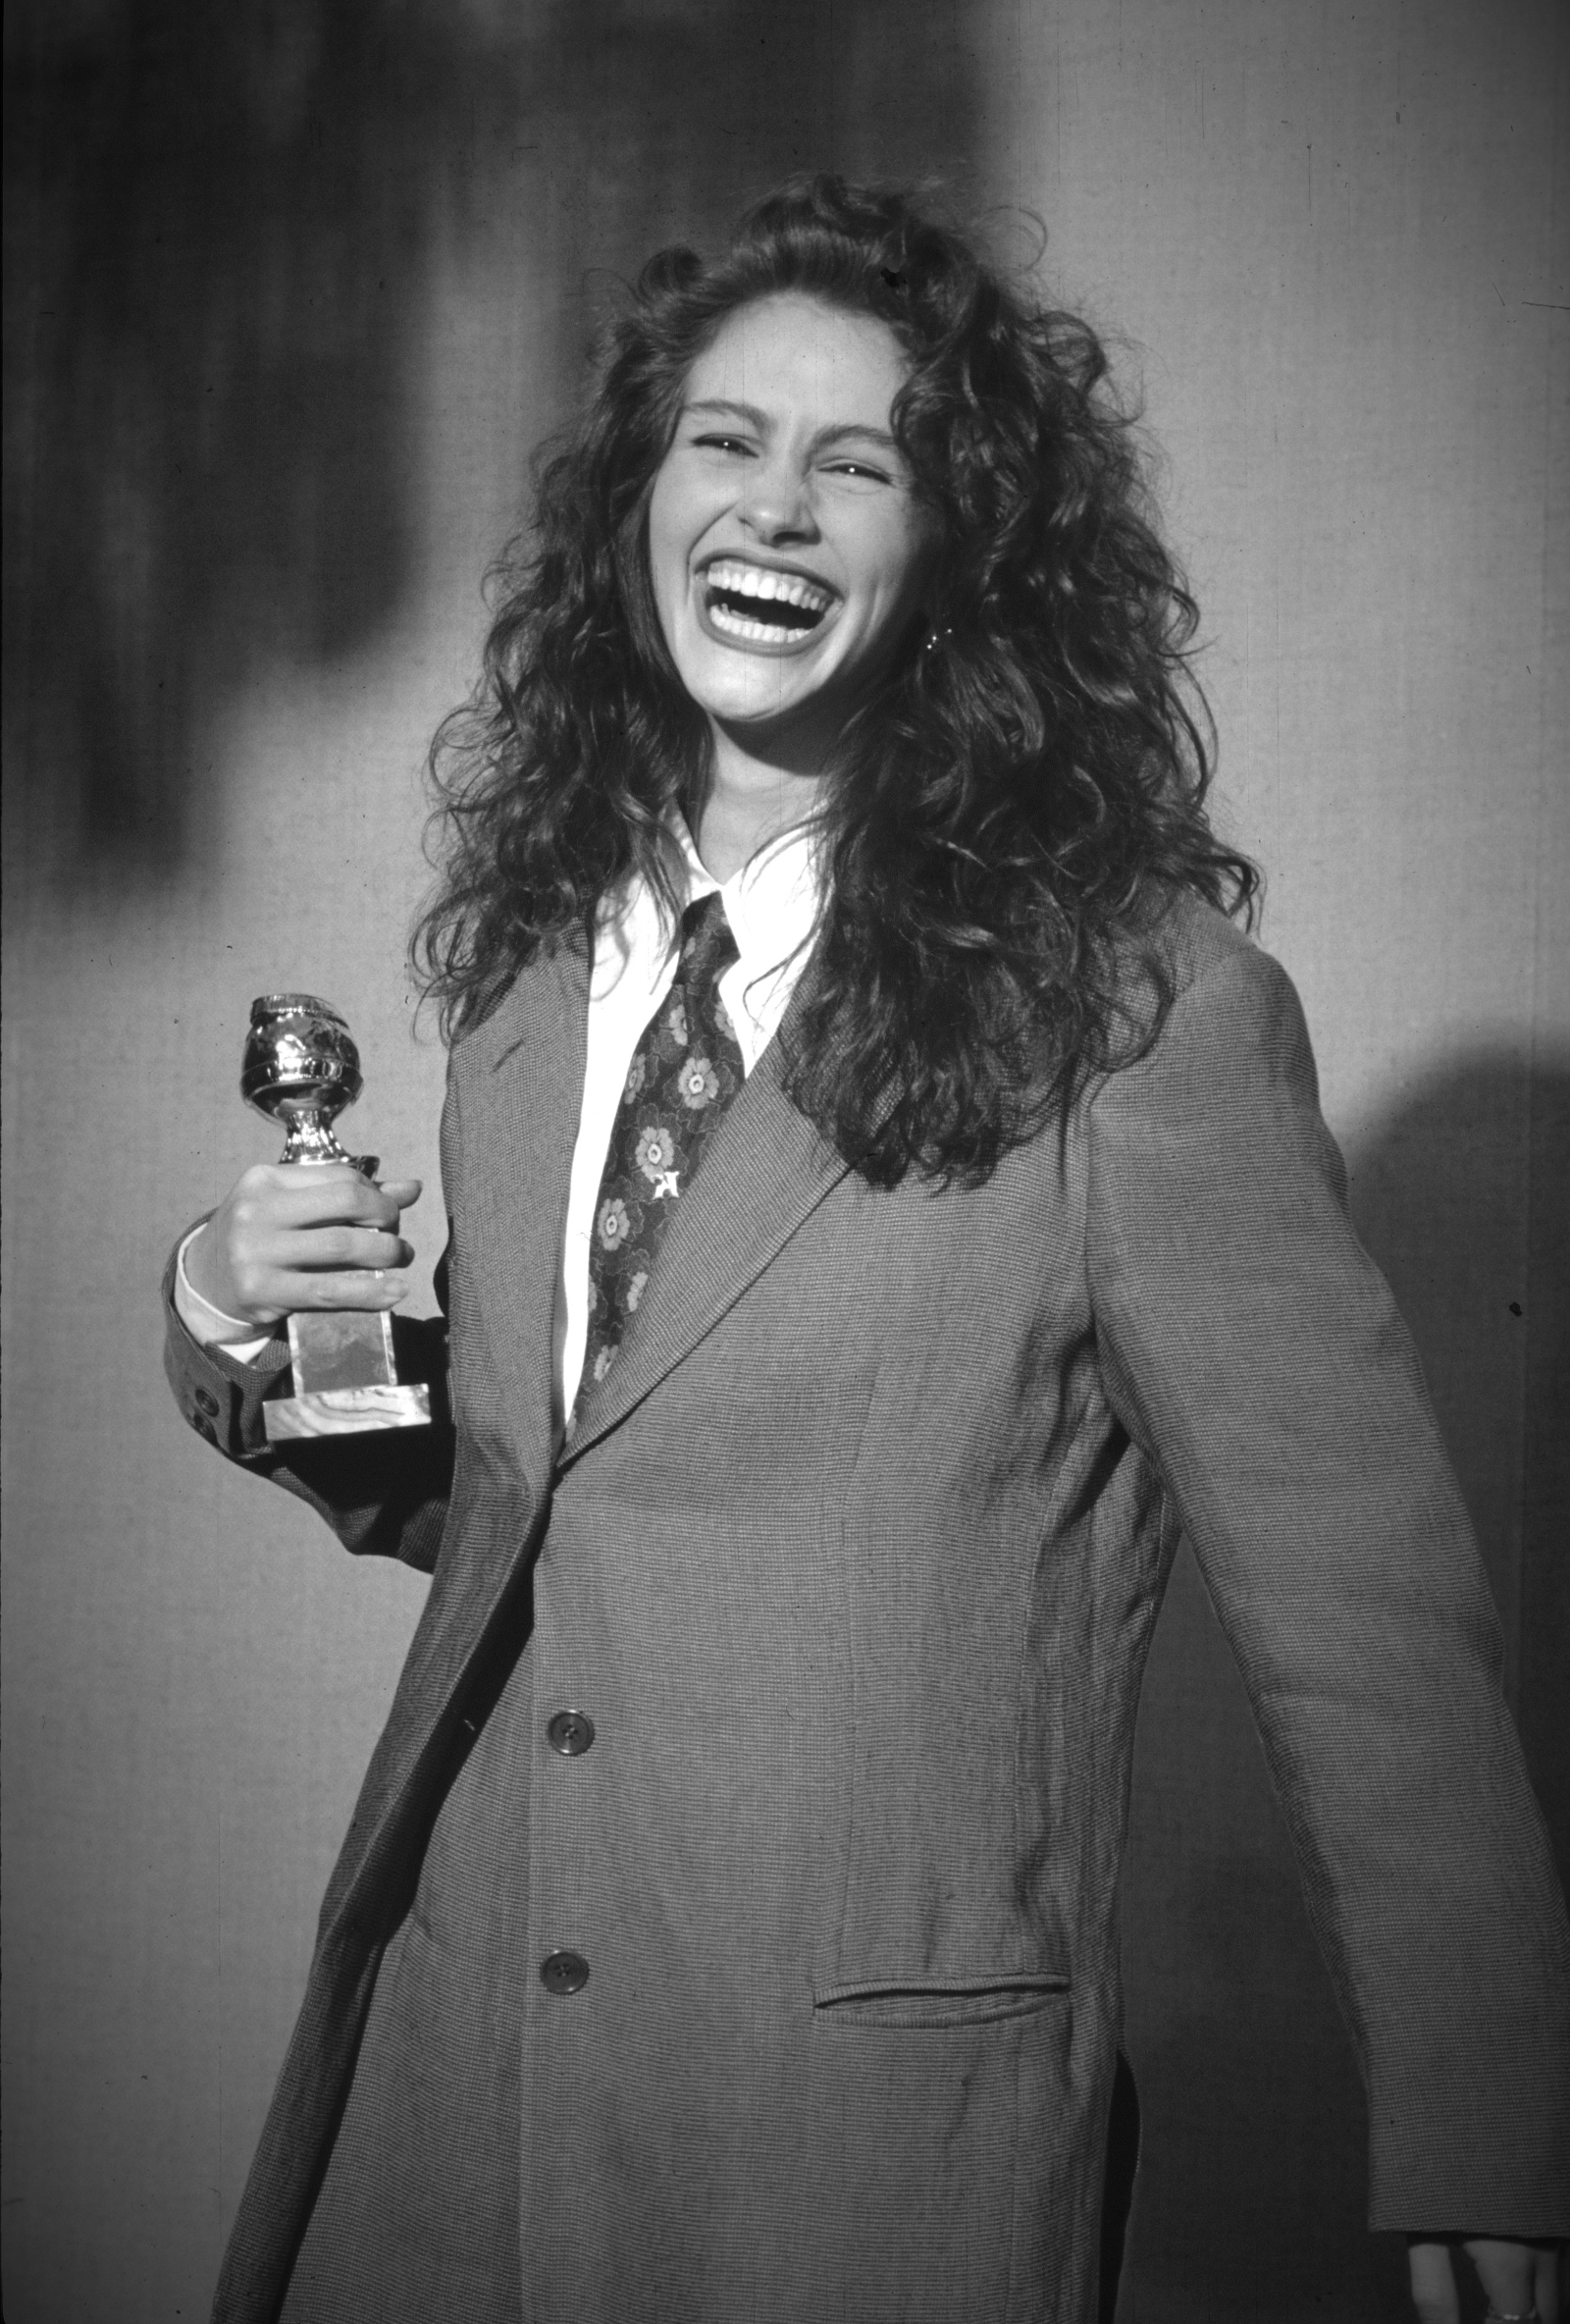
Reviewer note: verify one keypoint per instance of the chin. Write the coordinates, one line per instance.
(747, 696)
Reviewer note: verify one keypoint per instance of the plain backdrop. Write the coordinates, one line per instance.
(294, 291)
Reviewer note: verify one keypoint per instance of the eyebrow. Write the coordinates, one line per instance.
(757, 419)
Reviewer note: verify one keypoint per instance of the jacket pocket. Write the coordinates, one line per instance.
(938, 2001)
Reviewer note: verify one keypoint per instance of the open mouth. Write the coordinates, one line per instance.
(758, 606)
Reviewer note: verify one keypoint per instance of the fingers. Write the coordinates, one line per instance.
(404, 1192)
(304, 1235)
(1433, 2278)
(272, 1291)
(340, 1287)
(317, 1194)
(1517, 2277)
(368, 1248)
(1545, 2286)
(321, 1266)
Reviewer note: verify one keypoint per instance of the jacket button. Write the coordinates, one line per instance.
(563, 1973)
(207, 1402)
(571, 1732)
(204, 1428)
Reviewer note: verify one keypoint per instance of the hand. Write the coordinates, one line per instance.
(306, 1235)
(1519, 2278)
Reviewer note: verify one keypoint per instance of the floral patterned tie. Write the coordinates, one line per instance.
(685, 1071)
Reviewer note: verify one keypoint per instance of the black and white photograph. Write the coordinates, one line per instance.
(786, 1127)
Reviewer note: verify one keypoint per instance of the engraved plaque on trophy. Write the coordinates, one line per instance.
(302, 1068)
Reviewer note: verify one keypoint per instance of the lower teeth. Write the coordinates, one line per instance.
(745, 625)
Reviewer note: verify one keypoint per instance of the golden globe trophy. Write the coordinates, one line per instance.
(301, 1068)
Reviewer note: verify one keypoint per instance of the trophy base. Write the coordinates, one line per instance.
(344, 1379)
(346, 1412)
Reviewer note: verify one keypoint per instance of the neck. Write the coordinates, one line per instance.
(753, 797)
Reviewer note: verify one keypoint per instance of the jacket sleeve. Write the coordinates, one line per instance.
(1254, 1352)
(384, 1492)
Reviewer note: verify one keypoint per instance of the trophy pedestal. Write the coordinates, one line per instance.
(344, 1379)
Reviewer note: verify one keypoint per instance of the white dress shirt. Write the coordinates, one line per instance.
(773, 905)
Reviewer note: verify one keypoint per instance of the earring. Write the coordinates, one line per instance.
(935, 637)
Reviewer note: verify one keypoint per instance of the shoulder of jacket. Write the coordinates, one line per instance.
(481, 1047)
(1194, 939)
(1199, 989)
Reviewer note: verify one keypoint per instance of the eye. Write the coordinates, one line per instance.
(859, 471)
(723, 444)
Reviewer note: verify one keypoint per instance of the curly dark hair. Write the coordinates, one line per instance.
(1013, 812)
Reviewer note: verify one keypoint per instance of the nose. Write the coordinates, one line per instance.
(777, 504)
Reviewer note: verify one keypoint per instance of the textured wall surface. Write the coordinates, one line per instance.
(293, 291)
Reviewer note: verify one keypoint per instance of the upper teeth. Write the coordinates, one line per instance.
(740, 580)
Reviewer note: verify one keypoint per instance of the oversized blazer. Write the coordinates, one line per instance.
(853, 1561)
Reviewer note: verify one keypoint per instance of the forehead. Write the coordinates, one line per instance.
(795, 358)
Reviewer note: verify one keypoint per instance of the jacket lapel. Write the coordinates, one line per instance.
(521, 1094)
(766, 1171)
(519, 1081)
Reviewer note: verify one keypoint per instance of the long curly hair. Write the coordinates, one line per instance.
(1014, 807)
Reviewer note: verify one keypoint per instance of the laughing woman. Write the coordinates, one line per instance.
(888, 1205)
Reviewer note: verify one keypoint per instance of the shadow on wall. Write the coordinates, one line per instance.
(1458, 1190)
(1250, 2202)
(220, 235)
(223, 222)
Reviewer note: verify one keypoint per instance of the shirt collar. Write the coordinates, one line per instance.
(773, 902)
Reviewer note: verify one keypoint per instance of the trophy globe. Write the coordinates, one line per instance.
(301, 1068)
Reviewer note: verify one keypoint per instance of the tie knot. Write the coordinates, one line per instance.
(707, 945)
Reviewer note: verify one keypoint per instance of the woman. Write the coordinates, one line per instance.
(888, 1202)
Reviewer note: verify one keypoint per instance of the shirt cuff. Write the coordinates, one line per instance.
(208, 1325)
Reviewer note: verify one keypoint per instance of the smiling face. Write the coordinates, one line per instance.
(786, 544)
